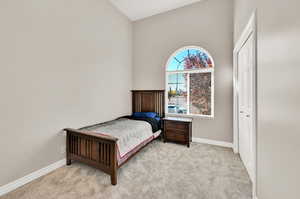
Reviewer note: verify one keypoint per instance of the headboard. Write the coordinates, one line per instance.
(149, 101)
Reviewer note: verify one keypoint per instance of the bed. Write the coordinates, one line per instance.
(108, 146)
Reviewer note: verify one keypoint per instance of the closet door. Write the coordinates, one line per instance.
(246, 104)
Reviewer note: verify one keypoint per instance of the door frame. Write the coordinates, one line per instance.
(251, 28)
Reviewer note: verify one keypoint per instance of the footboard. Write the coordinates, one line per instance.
(93, 149)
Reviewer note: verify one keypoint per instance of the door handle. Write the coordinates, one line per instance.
(247, 115)
(241, 111)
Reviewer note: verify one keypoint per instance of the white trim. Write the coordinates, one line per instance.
(204, 70)
(188, 93)
(190, 115)
(212, 93)
(30, 177)
(251, 28)
(213, 142)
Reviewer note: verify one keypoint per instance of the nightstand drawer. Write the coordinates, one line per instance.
(175, 137)
(176, 132)
(177, 125)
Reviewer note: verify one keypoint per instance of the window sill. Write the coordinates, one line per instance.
(190, 116)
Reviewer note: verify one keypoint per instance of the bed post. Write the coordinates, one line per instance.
(68, 160)
(113, 176)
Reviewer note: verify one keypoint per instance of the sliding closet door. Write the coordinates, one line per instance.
(246, 103)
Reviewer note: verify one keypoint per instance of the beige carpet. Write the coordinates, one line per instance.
(167, 171)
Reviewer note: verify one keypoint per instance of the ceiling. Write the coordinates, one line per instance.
(139, 9)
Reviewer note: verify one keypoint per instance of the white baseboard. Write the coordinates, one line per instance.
(30, 177)
(213, 142)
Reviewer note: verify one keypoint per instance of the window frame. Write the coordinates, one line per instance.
(189, 71)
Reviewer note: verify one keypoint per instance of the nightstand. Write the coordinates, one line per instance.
(178, 130)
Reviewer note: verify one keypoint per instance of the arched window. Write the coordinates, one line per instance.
(190, 83)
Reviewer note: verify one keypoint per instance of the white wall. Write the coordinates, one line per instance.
(208, 24)
(278, 99)
(278, 95)
(63, 64)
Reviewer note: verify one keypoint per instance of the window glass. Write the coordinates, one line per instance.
(190, 59)
(177, 93)
(200, 93)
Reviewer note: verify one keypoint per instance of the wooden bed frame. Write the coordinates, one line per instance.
(100, 151)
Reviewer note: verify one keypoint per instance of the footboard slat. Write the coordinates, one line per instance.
(101, 152)
(71, 144)
(104, 151)
(93, 149)
(76, 145)
(88, 149)
(108, 154)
